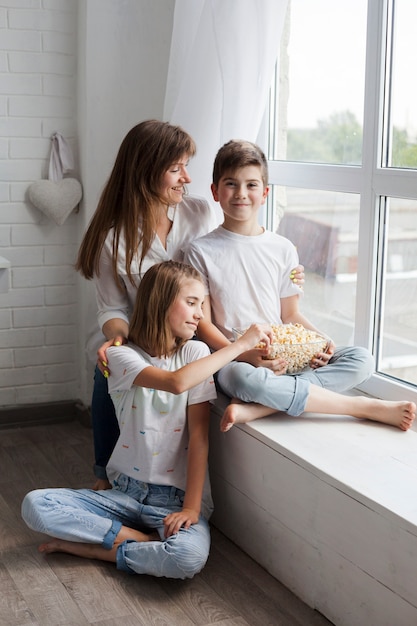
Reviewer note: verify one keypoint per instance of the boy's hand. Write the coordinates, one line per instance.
(278, 366)
(322, 358)
(174, 521)
(254, 357)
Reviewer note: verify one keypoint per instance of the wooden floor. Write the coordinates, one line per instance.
(60, 589)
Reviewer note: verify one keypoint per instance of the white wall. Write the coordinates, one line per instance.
(89, 69)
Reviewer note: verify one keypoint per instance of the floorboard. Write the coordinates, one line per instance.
(60, 589)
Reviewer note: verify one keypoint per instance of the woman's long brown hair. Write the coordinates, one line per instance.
(131, 195)
(157, 291)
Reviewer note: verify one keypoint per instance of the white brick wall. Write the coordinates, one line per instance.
(38, 315)
(65, 67)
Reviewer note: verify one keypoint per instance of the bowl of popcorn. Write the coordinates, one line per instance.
(293, 343)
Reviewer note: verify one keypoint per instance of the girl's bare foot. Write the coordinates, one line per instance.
(59, 545)
(101, 484)
(95, 551)
(84, 550)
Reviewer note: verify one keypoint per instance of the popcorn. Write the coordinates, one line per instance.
(293, 343)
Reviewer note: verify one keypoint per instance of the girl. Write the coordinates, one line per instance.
(154, 519)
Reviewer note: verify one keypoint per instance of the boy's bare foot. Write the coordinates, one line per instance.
(238, 412)
(401, 414)
(101, 484)
(234, 411)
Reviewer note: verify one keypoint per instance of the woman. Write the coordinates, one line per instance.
(144, 217)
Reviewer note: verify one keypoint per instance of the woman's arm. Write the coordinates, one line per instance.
(111, 298)
(198, 428)
(116, 331)
(112, 306)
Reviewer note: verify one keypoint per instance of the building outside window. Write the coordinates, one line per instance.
(342, 146)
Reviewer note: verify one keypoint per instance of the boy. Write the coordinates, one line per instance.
(247, 273)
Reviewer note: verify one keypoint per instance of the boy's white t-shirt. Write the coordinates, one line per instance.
(246, 276)
(153, 442)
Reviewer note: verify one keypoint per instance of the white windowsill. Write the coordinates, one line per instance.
(370, 462)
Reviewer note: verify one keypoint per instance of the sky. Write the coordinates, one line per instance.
(327, 61)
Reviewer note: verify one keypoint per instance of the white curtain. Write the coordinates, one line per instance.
(223, 54)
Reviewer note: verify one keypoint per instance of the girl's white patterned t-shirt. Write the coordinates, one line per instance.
(153, 442)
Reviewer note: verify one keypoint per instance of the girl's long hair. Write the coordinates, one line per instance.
(131, 196)
(157, 291)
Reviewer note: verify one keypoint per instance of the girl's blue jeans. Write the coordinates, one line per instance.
(88, 516)
(347, 368)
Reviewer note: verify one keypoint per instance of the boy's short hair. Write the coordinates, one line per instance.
(238, 153)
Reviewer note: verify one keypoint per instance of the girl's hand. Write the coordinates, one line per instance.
(297, 275)
(322, 358)
(101, 354)
(181, 519)
(257, 334)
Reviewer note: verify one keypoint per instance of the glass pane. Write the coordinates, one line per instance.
(317, 112)
(324, 227)
(403, 111)
(398, 334)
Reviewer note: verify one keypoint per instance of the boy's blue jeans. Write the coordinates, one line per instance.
(88, 516)
(347, 368)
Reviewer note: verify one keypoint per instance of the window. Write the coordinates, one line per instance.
(322, 78)
(342, 149)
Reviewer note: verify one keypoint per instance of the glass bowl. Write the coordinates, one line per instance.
(293, 343)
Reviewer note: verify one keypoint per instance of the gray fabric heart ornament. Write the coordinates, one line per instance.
(57, 197)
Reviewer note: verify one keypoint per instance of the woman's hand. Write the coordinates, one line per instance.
(181, 519)
(101, 353)
(297, 275)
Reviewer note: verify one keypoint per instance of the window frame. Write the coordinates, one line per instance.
(372, 182)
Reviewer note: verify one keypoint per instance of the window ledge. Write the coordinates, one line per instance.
(328, 505)
(371, 462)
